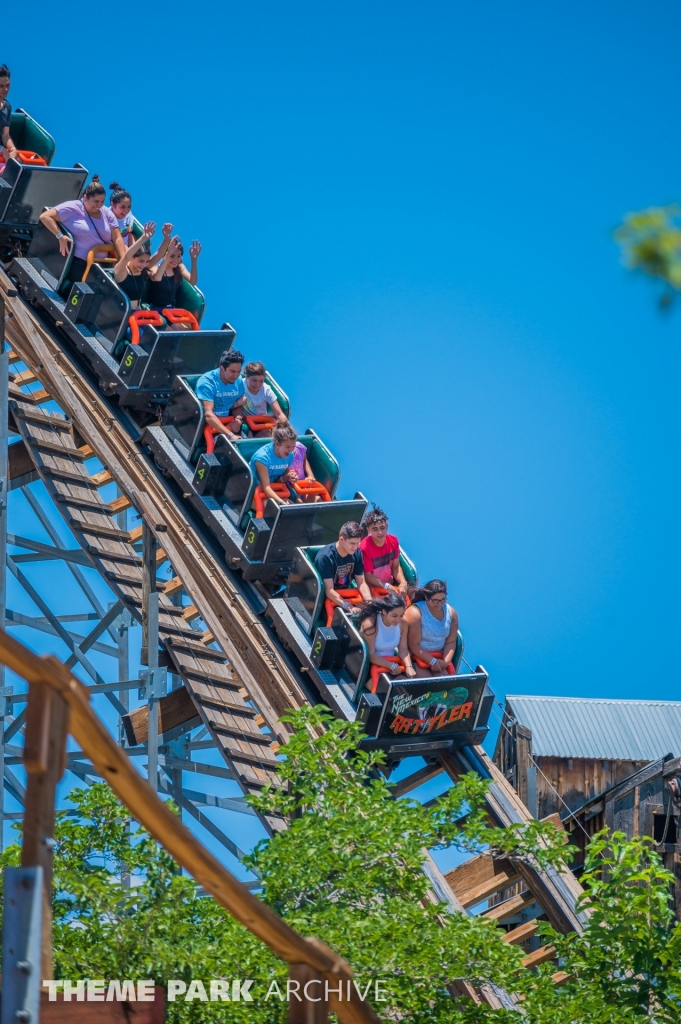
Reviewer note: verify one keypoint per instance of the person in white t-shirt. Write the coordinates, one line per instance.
(120, 205)
(258, 396)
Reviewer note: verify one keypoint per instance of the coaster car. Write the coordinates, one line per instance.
(404, 716)
(221, 486)
(96, 315)
(29, 185)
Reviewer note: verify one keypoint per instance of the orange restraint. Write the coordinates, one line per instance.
(27, 156)
(182, 316)
(100, 254)
(353, 596)
(256, 423)
(378, 670)
(260, 498)
(143, 318)
(451, 671)
(210, 432)
(311, 488)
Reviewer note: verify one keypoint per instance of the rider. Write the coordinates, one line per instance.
(219, 390)
(384, 628)
(381, 554)
(433, 630)
(258, 395)
(272, 462)
(338, 565)
(7, 147)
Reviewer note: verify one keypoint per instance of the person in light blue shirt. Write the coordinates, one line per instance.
(220, 390)
(273, 461)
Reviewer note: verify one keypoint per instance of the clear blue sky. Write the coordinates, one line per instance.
(406, 211)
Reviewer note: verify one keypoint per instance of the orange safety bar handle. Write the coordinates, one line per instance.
(312, 488)
(378, 670)
(383, 592)
(260, 498)
(451, 671)
(143, 318)
(94, 257)
(182, 316)
(210, 432)
(256, 423)
(27, 156)
(352, 595)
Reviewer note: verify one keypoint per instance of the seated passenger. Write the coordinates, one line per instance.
(339, 565)
(90, 222)
(383, 626)
(381, 554)
(132, 272)
(120, 205)
(433, 628)
(257, 396)
(219, 390)
(168, 276)
(272, 463)
(7, 148)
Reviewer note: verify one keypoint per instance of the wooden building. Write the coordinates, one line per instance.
(598, 763)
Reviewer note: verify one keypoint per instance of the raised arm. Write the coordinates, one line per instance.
(194, 253)
(50, 218)
(167, 232)
(121, 269)
(170, 251)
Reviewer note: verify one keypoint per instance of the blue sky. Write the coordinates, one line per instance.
(406, 211)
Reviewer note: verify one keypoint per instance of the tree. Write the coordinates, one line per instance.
(651, 243)
(348, 870)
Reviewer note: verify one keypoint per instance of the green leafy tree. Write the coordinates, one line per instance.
(348, 870)
(650, 241)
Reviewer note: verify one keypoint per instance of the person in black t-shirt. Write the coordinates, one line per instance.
(9, 150)
(339, 565)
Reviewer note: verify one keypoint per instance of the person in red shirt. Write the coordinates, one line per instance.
(381, 554)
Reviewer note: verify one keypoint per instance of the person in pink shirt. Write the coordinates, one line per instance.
(90, 223)
(381, 554)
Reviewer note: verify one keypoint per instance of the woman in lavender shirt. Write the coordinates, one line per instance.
(90, 223)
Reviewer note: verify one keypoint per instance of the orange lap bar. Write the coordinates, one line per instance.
(143, 318)
(181, 316)
(210, 432)
(256, 423)
(260, 498)
(378, 670)
(100, 254)
(451, 671)
(27, 156)
(311, 488)
(382, 592)
(351, 595)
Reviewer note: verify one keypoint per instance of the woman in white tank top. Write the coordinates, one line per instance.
(382, 625)
(433, 630)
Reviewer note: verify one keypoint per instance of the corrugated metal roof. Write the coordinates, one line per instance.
(628, 730)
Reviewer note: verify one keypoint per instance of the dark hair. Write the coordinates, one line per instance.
(350, 531)
(369, 609)
(4, 71)
(118, 193)
(428, 590)
(95, 188)
(255, 370)
(229, 357)
(144, 250)
(377, 515)
(283, 432)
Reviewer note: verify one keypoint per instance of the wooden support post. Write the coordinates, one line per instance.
(44, 759)
(306, 992)
(526, 774)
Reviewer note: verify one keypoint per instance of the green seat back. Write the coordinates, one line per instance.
(28, 134)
